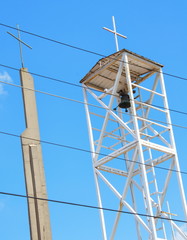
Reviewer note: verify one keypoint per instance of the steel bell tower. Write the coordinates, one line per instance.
(135, 163)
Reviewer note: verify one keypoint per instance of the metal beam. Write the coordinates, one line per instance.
(116, 153)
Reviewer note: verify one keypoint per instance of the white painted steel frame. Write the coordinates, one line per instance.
(138, 165)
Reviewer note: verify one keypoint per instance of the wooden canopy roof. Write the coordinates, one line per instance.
(103, 74)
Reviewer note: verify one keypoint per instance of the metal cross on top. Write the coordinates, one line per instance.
(20, 44)
(115, 33)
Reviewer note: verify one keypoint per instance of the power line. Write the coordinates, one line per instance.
(77, 85)
(85, 50)
(42, 76)
(183, 172)
(76, 204)
(47, 93)
(70, 99)
(59, 80)
(82, 205)
(53, 40)
(90, 206)
(88, 151)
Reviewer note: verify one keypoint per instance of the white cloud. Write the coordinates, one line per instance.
(5, 77)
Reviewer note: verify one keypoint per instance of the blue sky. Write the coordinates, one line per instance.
(155, 29)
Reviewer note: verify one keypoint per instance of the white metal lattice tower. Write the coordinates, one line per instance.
(135, 163)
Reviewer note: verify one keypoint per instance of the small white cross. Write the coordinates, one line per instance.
(20, 44)
(115, 33)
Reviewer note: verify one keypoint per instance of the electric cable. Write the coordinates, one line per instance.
(85, 50)
(93, 105)
(80, 86)
(49, 39)
(82, 205)
(91, 206)
(59, 80)
(89, 151)
(182, 172)
(53, 40)
(42, 76)
(47, 93)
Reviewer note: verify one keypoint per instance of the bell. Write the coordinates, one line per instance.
(125, 101)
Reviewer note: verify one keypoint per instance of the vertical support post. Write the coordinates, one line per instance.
(93, 163)
(33, 165)
(140, 151)
(178, 171)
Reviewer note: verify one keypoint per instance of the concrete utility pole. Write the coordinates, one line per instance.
(39, 219)
(33, 165)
